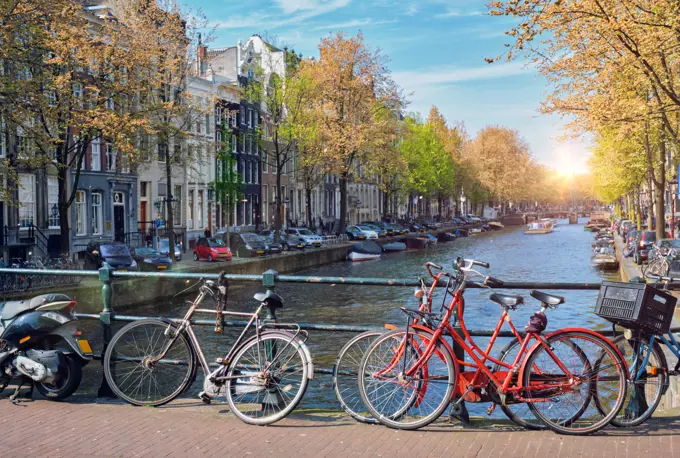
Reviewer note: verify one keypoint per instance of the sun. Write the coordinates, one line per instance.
(570, 159)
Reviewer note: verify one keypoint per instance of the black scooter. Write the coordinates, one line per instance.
(40, 343)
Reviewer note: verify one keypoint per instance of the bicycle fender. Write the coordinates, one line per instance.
(520, 377)
(305, 351)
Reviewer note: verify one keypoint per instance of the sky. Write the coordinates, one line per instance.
(436, 50)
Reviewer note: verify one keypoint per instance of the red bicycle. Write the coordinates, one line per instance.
(573, 380)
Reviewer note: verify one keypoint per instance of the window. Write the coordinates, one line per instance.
(249, 178)
(190, 210)
(80, 213)
(242, 142)
(23, 143)
(256, 178)
(110, 157)
(218, 138)
(250, 117)
(243, 115)
(97, 216)
(52, 97)
(264, 163)
(233, 119)
(200, 209)
(143, 189)
(265, 199)
(96, 163)
(234, 144)
(199, 127)
(176, 207)
(162, 151)
(26, 199)
(109, 104)
(52, 202)
(207, 124)
(255, 116)
(241, 166)
(250, 145)
(218, 115)
(78, 93)
(257, 148)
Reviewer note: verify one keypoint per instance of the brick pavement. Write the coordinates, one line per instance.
(84, 429)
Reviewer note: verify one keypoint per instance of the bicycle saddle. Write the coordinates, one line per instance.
(271, 298)
(507, 300)
(546, 298)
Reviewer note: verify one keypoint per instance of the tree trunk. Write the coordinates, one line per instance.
(279, 204)
(62, 174)
(638, 208)
(650, 204)
(385, 204)
(170, 220)
(659, 190)
(308, 196)
(343, 202)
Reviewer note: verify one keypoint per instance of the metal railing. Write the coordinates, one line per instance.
(268, 279)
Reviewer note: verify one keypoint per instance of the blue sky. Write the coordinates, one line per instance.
(436, 49)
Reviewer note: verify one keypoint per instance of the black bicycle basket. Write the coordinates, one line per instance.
(636, 306)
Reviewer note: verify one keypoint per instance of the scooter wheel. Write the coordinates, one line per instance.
(67, 384)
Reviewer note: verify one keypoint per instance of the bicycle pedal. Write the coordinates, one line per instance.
(221, 361)
(491, 408)
(204, 397)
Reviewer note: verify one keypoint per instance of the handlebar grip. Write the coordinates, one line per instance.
(493, 281)
(481, 264)
(436, 266)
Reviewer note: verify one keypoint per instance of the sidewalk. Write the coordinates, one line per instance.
(186, 428)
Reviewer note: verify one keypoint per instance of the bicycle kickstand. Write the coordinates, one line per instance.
(459, 412)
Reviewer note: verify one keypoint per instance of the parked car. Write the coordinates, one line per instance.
(115, 254)
(286, 242)
(369, 232)
(211, 249)
(400, 229)
(374, 227)
(305, 235)
(474, 219)
(247, 244)
(631, 235)
(164, 248)
(664, 244)
(430, 224)
(644, 242)
(415, 227)
(457, 221)
(149, 259)
(354, 233)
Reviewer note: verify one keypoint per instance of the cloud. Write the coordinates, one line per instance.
(450, 75)
(351, 24)
(458, 13)
(412, 10)
(306, 9)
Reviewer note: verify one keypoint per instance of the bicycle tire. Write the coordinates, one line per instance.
(248, 387)
(536, 424)
(622, 420)
(619, 378)
(111, 360)
(351, 354)
(397, 419)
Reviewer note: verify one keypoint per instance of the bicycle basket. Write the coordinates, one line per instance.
(636, 306)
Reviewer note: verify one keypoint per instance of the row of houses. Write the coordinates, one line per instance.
(114, 201)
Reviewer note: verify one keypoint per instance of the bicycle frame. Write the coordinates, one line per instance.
(505, 385)
(254, 321)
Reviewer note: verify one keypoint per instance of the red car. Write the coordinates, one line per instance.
(211, 249)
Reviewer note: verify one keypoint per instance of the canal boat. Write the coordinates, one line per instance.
(416, 243)
(432, 240)
(446, 236)
(394, 247)
(538, 227)
(366, 251)
(495, 225)
(605, 259)
(551, 221)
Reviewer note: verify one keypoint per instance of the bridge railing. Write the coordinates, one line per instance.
(268, 279)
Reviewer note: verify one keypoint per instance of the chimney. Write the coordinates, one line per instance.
(201, 52)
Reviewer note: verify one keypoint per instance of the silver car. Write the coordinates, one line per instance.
(305, 235)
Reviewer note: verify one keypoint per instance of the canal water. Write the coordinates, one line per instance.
(562, 256)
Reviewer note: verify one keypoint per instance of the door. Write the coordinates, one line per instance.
(119, 223)
(142, 214)
(2, 225)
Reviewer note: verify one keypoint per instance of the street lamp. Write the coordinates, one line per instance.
(55, 211)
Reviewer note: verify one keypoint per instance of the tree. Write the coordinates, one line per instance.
(353, 90)
(282, 94)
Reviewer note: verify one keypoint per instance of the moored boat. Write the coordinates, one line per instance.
(394, 247)
(495, 225)
(366, 251)
(416, 243)
(538, 227)
(446, 236)
(605, 258)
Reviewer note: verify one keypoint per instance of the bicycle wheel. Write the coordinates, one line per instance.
(646, 384)
(131, 371)
(267, 378)
(400, 401)
(346, 373)
(519, 413)
(561, 382)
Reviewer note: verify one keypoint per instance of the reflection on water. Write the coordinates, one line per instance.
(562, 256)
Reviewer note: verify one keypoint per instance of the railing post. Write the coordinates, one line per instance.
(105, 318)
(269, 282)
